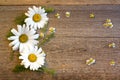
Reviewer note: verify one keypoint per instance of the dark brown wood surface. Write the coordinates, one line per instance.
(78, 38)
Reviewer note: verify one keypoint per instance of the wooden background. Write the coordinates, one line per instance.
(78, 38)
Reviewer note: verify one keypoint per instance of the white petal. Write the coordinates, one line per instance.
(15, 47)
(13, 37)
(39, 50)
(27, 20)
(36, 48)
(27, 14)
(21, 47)
(35, 26)
(35, 9)
(15, 32)
(32, 32)
(31, 10)
(27, 65)
(34, 36)
(14, 42)
(19, 28)
(33, 42)
(31, 67)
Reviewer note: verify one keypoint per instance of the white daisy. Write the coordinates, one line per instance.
(33, 58)
(23, 38)
(37, 17)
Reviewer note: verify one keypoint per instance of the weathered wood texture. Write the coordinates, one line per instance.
(57, 2)
(78, 38)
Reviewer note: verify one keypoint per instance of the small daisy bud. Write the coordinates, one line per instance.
(67, 14)
(112, 63)
(112, 45)
(42, 35)
(108, 20)
(108, 23)
(92, 15)
(51, 29)
(90, 61)
(57, 15)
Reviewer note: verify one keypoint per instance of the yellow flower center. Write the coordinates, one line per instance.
(32, 57)
(37, 17)
(23, 38)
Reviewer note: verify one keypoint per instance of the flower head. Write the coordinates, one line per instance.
(112, 45)
(92, 15)
(33, 58)
(108, 23)
(108, 20)
(37, 17)
(112, 63)
(67, 14)
(90, 61)
(42, 35)
(57, 15)
(23, 38)
(51, 29)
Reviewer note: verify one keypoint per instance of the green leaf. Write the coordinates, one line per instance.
(46, 70)
(10, 34)
(12, 55)
(19, 68)
(49, 71)
(47, 39)
(45, 28)
(48, 9)
(20, 19)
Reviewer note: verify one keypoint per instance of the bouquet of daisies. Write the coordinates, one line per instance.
(26, 39)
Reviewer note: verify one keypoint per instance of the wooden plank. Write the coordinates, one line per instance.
(57, 2)
(78, 38)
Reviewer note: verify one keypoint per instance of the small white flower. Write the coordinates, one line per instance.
(90, 61)
(37, 17)
(112, 45)
(57, 15)
(33, 58)
(112, 63)
(51, 29)
(92, 15)
(23, 38)
(108, 23)
(108, 20)
(67, 14)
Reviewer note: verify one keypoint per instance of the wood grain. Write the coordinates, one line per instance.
(57, 2)
(78, 38)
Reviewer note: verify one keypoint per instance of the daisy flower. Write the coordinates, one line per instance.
(23, 38)
(33, 58)
(37, 17)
